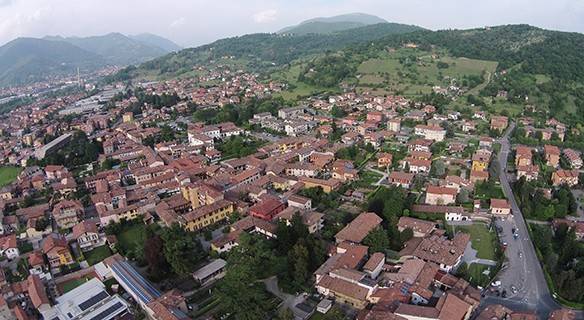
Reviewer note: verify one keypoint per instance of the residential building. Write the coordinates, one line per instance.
(87, 235)
(67, 213)
(420, 228)
(435, 133)
(552, 155)
(500, 207)
(267, 209)
(567, 177)
(440, 195)
(9, 247)
(56, 249)
(359, 228)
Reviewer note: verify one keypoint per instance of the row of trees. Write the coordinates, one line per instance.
(563, 258)
(535, 205)
(78, 151)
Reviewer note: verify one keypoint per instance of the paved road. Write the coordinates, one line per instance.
(522, 269)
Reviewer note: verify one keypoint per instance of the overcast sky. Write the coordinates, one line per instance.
(195, 22)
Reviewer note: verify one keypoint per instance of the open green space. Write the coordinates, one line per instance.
(477, 274)
(488, 190)
(367, 178)
(68, 286)
(482, 240)
(297, 89)
(131, 237)
(8, 174)
(97, 255)
(413, 72)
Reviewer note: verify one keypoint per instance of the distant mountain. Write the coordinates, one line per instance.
(116, 48)
(333, 24)
(26, 60)
(156, 41)
(363, 18)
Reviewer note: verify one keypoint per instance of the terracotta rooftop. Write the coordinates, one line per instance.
(359, 228)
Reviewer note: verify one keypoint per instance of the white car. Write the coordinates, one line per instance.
(496, 283)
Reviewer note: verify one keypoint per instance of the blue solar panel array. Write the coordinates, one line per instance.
(107, 312)
(135, 282)
(93, 301)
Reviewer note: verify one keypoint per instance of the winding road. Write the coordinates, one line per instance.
(521, 269)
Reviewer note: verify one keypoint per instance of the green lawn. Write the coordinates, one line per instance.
(68, 286)
(131, 237)
(97, 255)
(482, 240)
(489, 191)
(8, 174)
(367, 178)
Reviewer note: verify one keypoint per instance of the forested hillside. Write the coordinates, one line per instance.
(265, 49)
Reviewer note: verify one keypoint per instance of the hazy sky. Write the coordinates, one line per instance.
(194, 22)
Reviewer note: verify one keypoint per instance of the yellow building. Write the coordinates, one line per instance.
(200, 195)
(480, 161)
(326, 185)
(128, 117)
(206, 215)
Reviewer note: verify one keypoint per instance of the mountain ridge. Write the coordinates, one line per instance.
(334, 23)
(24, 60)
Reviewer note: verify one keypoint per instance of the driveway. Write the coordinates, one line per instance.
(288, 301)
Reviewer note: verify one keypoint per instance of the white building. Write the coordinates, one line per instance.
(88, 301)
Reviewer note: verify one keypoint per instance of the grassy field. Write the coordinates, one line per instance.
(8, 174)
(97, 255)
(299, 89)
(68, 286)
(419, 76)
(482, 240)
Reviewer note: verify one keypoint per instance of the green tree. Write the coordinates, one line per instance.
(240, 292)
(377, 240)
(154, 254)
(299, 261)
(181, 249)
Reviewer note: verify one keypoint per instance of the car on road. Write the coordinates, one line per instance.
(520, 255)
(516, 236)
(513, 289)
(504, 294)
(496, 283)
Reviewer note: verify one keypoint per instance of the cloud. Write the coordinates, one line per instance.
(178, 22)
(5, 3)
(265, 16)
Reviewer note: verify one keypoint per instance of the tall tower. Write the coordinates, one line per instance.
(78, 78)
